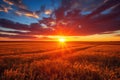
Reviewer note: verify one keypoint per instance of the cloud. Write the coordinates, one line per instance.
(14, 30)
(17, 36)
(7, 33)
(27, 13)
(48, 12)
(85, 5)
(71, 23)
(33, 29)
(106, 5)
(11, 32)
(10, 24)
(22, 9)
(4, 8)
(17, 3)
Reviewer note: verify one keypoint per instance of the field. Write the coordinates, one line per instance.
(59, 61)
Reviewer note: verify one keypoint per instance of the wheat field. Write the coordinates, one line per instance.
(53, 61)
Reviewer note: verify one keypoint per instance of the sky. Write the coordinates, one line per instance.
(75, 20)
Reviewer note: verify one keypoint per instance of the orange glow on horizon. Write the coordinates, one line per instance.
(96, 37)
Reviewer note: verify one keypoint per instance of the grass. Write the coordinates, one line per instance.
(77, 61)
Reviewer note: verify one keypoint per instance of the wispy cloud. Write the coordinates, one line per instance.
(16, 3)
(5, 8)
(27, 13)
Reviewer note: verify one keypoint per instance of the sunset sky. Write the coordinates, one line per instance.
(75, 20)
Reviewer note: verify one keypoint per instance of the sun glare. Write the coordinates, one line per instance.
(62, 40)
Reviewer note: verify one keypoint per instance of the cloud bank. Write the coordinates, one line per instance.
(66, 20)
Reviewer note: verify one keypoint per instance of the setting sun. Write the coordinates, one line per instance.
(62, 40)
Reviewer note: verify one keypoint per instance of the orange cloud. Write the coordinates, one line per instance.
(34, 15)
(28, 14)
(4, 8)
(9, 2)
(16, 3)
(48, 12)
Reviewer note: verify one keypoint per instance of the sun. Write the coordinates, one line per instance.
(62, 40)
